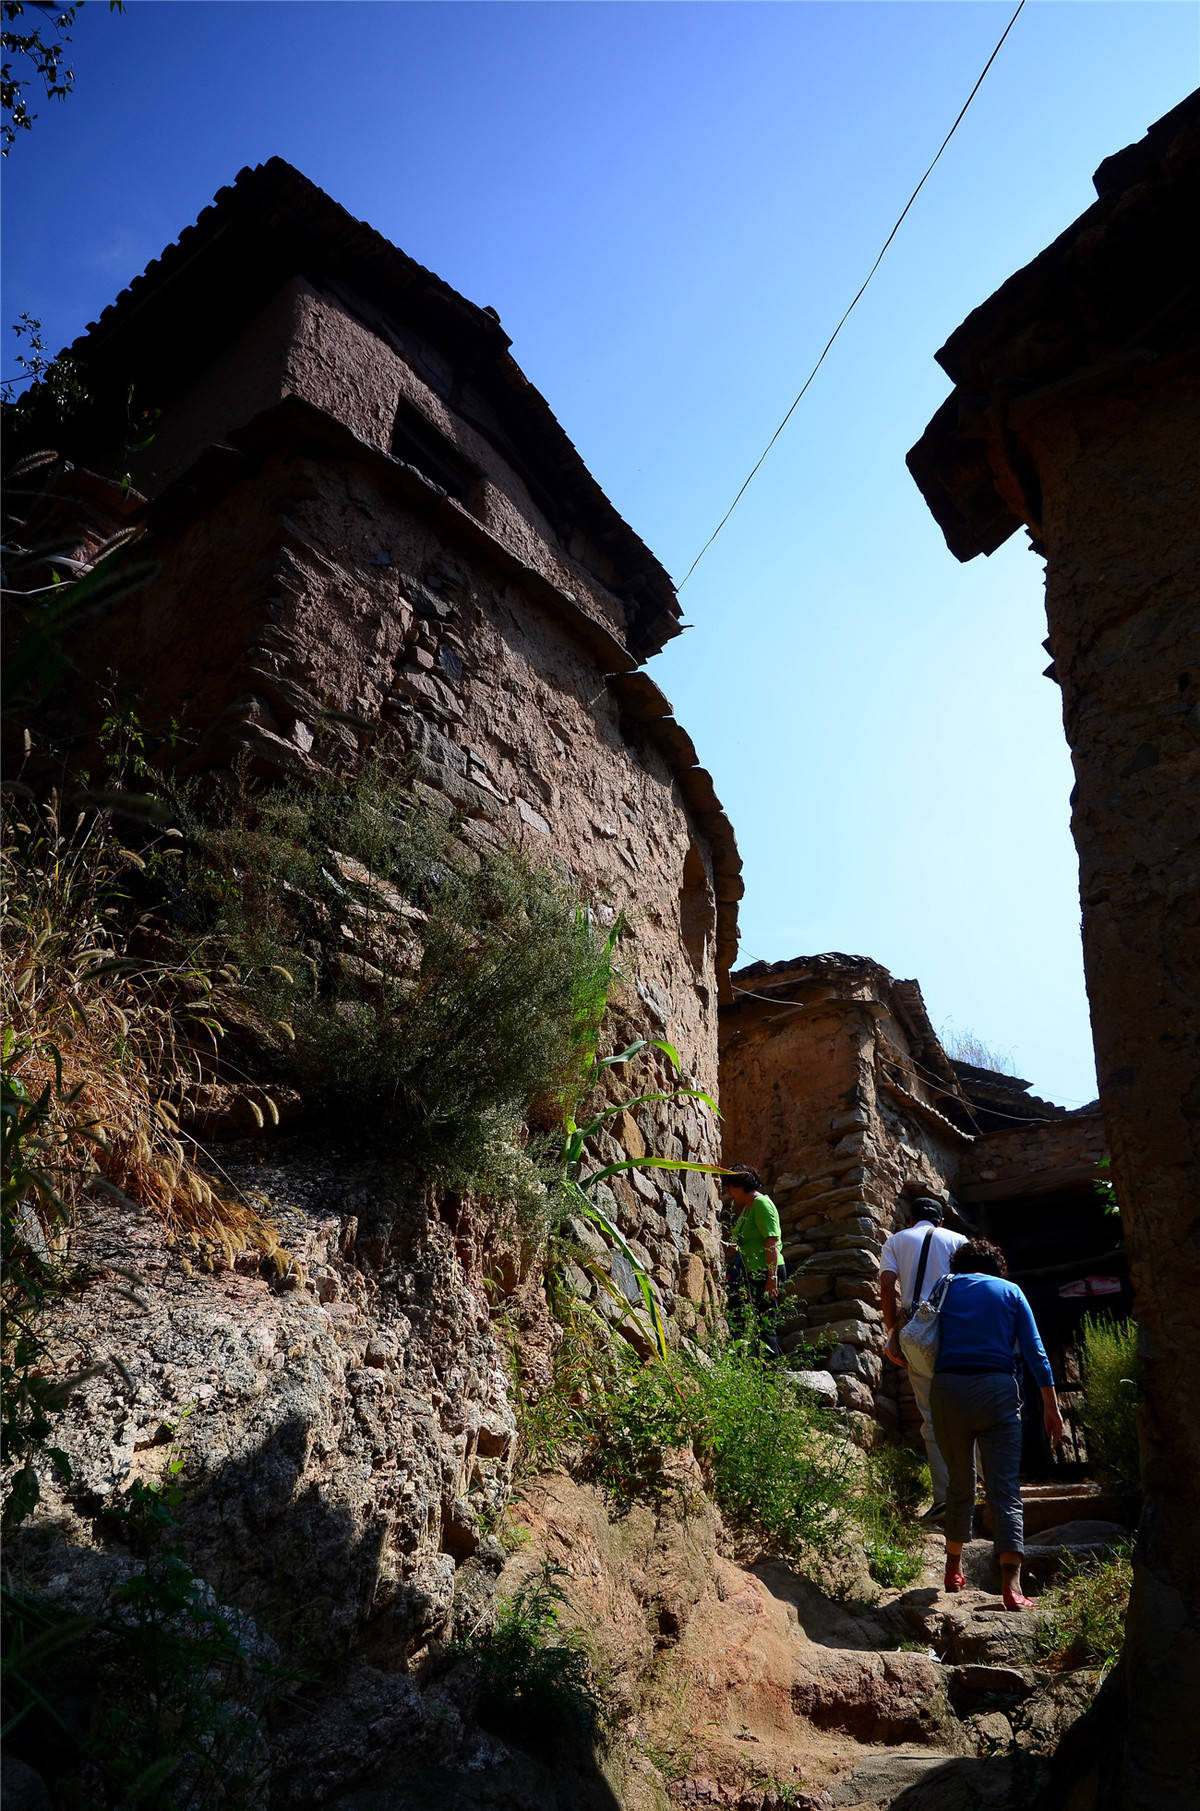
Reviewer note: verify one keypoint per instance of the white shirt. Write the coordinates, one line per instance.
(901, 1255)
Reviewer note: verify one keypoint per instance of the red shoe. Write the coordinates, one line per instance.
(953, 1581)
(1013, 1600)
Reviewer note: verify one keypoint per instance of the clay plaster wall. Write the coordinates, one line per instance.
(363, 373)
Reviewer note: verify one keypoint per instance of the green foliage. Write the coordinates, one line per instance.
(1103, 1186)
(774, 1461)
(1083, 1612)
(534, 1677)
(32, 1395)
(176, 1693)
(47, 595)
(42, 52)
(394, 980)
(577, 1187)
(1110, 1368)
(775, 1466)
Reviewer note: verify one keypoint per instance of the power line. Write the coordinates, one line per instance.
(854, 304)
(974, 1108)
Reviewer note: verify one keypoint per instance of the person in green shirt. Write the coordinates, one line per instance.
(754, 1250)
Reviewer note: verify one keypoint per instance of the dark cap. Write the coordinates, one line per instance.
(926, 1208)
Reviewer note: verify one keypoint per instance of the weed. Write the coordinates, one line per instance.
(533, 1677)
(396, 985)
(895, 1482)
(102, 1040)
(1083, 1612)
(175, 1687)
(1109, 1364)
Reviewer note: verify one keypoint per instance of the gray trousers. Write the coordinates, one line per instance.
(986, 1409)
(921, 1387)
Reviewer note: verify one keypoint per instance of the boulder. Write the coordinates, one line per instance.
(853, 1393)
(820, 1384)
(888, 1697)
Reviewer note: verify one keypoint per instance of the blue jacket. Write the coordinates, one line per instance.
(983, 1319)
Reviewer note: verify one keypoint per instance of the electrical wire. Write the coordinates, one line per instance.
(1017, 1119)
(854, 304)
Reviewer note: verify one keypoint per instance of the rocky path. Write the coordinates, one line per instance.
(746, 1686)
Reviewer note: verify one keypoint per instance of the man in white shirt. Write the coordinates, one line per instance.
(904, 1282)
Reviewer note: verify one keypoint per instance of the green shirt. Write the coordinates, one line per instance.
(756, 1224)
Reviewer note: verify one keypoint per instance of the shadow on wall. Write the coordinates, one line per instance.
(336, 1722)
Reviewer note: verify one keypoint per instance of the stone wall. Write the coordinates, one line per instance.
(348, 522)
(1033, 1159)
(1077, 412)
(371, 533)
(823, 1092)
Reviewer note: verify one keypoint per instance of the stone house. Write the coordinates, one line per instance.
(1076, 414)
(361, 506)
(836, 1086)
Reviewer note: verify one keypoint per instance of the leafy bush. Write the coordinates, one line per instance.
(1083, 1612)
(775, 1462)
(896, 1482)
(534, 1678)
(776, 1468)
(175, 1691)
(392, 977)
(1109, 1364)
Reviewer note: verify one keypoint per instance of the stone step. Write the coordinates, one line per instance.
(1050, 1505)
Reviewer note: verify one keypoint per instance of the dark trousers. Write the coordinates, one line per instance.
(753, 1313)
(984, 1409)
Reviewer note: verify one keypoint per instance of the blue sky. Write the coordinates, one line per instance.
(670, 205)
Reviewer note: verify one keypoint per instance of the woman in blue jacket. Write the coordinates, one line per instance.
(985, 1320)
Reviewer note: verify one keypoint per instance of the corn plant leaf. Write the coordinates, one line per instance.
(651, 1163)
(640, 1100)
(622, 1056)
(151, 1778)
(582, 1201)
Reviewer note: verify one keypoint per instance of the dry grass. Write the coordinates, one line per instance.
(111, 1039)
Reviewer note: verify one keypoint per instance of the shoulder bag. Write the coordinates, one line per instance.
(921, 1334)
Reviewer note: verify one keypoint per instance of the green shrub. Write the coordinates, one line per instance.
(895, 1482)
(1083, 1612)
(774, 1460)
(175, 1690)
(395, 979)
(534, 1678)
(775, 1465)
(1109, 1363)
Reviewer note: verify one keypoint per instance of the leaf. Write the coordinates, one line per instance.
(60, 1462)
(622, 1056)
(645, 1286)
(640, 1100)
(23, 1497)
(652, 1163)
(151, 1778)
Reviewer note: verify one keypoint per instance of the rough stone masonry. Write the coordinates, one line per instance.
(366, 518)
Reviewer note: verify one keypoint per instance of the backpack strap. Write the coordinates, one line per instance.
(920, 1276)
